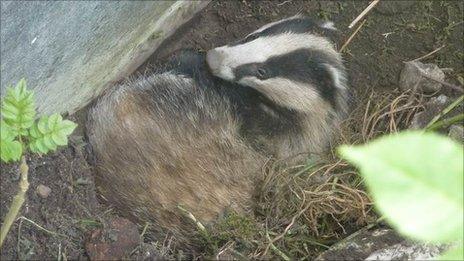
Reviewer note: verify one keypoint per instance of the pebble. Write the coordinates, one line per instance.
(456, 132)
(114, 242)
(43, 191)
(431, 109)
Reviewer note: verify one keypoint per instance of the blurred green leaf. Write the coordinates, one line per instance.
(416, 180)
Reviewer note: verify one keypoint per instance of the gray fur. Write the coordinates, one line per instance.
(186, 138)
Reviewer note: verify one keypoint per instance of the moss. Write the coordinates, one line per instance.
(233, 227)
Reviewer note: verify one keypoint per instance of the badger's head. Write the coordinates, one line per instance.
(291, 61)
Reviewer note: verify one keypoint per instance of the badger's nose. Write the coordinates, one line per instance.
(214, 59)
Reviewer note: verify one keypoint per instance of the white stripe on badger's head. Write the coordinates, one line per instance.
(291, 61)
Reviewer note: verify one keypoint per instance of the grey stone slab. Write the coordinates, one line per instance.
(70, 51)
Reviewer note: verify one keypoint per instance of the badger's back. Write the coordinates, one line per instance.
(162, 142)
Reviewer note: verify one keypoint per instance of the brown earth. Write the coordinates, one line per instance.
(395, 31)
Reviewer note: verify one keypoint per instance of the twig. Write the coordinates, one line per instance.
(284, 2)
(59, 252)
(446, 122)
(278, 251)
(429, 54)
(363, 13)
(352, 36)
(223, 249)
(192, 217)
(271, 242)
(18, 243)
(362, 230)
(144, 230)
(445, 111)
(17, 202)
(40, 227)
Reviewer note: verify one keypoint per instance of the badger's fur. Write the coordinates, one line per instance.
(186, 137)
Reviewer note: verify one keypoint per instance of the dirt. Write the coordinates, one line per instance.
(395, 31)
(68, 212)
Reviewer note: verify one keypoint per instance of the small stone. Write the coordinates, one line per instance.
(432, 108)
(43, 191)
(412, 76)
(456, 132)
(114, 242)
(439, 101)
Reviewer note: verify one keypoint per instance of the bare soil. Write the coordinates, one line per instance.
(395, 31)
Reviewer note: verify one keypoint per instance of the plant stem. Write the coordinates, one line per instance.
(18, 201)
(278, 251)
(446, 122)
(445, 111)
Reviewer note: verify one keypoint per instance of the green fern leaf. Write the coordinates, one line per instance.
(49, 133)
(10, 149)
(18, 108)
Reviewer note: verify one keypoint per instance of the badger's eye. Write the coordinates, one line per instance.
(262, 73)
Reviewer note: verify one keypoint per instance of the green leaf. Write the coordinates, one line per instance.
(456, 253)
(18, 108)
(34, 132)
(67, 127)
(42, 125)
(416, 180)
(54, 120)
(50, 132)
(6, 132)
(59, 139)
(33, 148)
(10, 149)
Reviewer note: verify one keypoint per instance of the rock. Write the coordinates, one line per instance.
(432, 108)
(114, 242)
(70, 51)
(407, 251)
(379, 244)
(43, 191)
(361, 246)
(456, 132)
(412, 76)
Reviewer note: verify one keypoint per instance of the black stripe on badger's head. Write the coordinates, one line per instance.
(301, 67)
(296, 24)
(286, 62)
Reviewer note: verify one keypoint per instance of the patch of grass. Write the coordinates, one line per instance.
(234, 229)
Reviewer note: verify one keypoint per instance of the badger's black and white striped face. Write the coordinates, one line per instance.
(291, 61)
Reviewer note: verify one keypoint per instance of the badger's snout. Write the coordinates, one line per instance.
(215, 59)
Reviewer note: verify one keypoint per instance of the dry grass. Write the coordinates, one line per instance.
(303, 209)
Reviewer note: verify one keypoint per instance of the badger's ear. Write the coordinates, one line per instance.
(330, 81)
(329, 25)
(337, 77)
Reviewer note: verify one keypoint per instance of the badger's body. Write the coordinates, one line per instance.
(191, 138)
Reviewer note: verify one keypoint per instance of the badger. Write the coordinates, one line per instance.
(193, 135)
